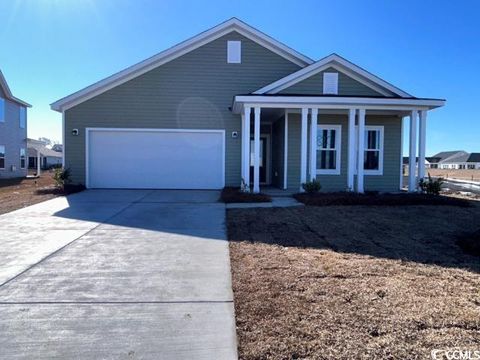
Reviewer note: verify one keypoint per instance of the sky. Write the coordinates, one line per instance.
(52, 48)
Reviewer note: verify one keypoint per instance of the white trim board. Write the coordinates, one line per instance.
(100, 129)
(340, 64)
(176, 51)
(8, 92)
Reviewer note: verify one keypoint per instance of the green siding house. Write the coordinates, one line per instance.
(233, 106)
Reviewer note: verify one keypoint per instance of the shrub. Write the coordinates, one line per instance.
(61, 177)
(312, 186)
(431, 186)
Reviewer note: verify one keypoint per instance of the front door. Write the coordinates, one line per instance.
(263, 160)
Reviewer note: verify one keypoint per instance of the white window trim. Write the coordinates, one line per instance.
(2, 109)
(24, 158)
(234, 52)
(378, 172)
(4, 157)
(24, 117)
(338, 149)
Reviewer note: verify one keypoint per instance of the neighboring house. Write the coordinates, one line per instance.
(178, 120)
(449, 160)
(406, 161)
(39, 154)
(13, 133)
(473, 161)
(57, 148)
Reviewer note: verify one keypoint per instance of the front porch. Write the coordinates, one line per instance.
(293, 139)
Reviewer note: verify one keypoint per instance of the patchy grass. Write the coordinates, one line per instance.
(353, 282)
(21, 192)
(346, 198)
(234, 195)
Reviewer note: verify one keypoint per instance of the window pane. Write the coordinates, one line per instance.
(372, 139)
(327, 159)
(2, 151)
(372, 160)
(2, 110)
(22, 117)
(2, 163)
(326, 139)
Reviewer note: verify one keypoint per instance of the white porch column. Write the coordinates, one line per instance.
(39, 168)
(422, 138)
(303, 148)
(412, 180)
(256, 162)
(242, 151)
(361, 149)
(246, 146)
(351, 149)
(313, 144)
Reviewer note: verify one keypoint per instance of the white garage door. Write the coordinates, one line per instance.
(155, 159)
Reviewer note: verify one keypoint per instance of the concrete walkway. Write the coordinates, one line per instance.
(117, 275)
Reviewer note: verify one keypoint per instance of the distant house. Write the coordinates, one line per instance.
(13, 133)
(39, 154)
(473, 161)
(449, 160)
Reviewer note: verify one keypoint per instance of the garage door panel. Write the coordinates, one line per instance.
(186, 159)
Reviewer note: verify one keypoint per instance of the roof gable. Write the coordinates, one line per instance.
(342, 65)
(232, 25)
(5, 91)
(347, 86)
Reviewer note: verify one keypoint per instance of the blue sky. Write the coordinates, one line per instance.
(51, 48)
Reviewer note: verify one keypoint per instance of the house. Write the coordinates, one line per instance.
(40, 157)
(232, 105)
(449, 160)
(473, 161)
(13, 133)
(406, 161)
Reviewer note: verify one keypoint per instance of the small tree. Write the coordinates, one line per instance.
(431, 186)
(312, 186)
(61, 177)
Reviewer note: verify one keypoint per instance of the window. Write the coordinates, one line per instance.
(461, 167)
(2, 156)
(373, 150)
(2, 110)
(330, 83)
(471, 166)
(373, 160)
(23, 117)
(328, 149)
(22, 158)
(234, 52)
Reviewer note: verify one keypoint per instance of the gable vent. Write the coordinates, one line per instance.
(330, 83)
(234, 52)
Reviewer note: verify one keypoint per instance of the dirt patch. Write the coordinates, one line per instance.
(353, 282)
(234, 195)
(18, 193)
(464, 174)
(345, 198)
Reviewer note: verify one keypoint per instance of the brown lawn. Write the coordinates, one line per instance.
(18, 193)
(466, 174)
(354, 282)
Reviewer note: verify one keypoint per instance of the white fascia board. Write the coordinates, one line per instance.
(350, 69)
(334, 102)
(177, 51)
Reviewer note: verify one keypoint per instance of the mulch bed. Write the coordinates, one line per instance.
(345, 198)
(470, 243)
(353, 282)
(234, 195)
(21, 192)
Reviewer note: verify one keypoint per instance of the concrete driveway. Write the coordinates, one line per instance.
(117, 274)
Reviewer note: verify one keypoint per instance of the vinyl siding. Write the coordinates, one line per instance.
(13, 138)
(346, 86)
(193, 91)
(388, 182)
